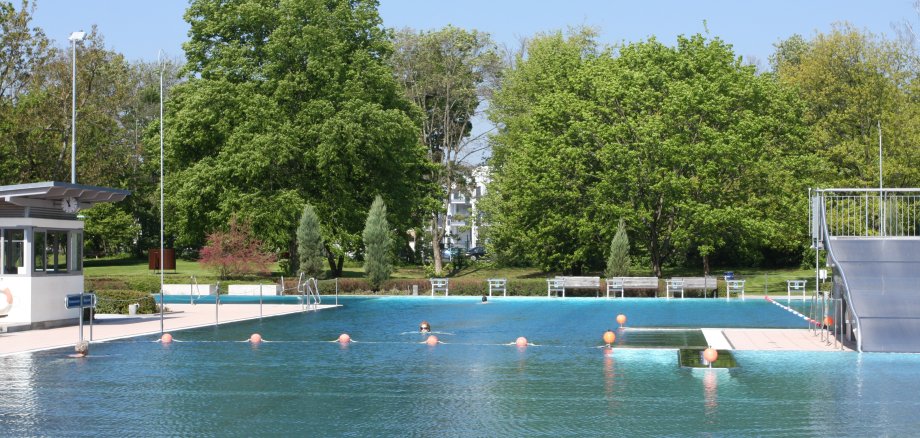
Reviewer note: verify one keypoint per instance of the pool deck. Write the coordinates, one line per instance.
(112, 327)
(777, 340)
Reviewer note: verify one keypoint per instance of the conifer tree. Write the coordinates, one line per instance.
(310, 242)
(378, 245)
(618, 260)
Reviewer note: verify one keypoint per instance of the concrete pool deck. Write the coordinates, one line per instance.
(112, 327)
(780, 340)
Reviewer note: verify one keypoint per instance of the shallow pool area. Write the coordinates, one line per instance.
(388, 383)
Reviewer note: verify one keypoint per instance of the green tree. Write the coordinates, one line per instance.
(310, 243)
(618, 259)
(292, 102)
(109, 230)
(378, 244)
(687, 144)
(852, 81)
(448, 73)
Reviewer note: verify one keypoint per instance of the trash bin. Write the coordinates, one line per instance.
(132, 309)
(415, 290)
(729, 275)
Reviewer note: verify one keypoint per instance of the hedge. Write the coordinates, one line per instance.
(117, 301)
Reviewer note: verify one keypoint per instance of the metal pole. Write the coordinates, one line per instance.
(73, 128)
(81, 316)
(336, 291)
(260, 301)
(92, 316)
(161, 190)
(217, 304)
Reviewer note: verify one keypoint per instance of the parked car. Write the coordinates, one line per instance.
(450, 254)
(476, 252)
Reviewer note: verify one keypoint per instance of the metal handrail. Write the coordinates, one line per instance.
(830, 252)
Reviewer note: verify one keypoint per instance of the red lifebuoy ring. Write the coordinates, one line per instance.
(5, 308)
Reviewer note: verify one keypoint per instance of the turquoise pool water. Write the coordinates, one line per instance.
(388, 384)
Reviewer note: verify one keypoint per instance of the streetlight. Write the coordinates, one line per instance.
(74, 37)
(162, 304)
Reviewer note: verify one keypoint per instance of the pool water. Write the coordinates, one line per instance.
(389, 384)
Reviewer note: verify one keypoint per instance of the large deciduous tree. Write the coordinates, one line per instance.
(695, 150)
(853, 81)
(448, 73)
(292, 102)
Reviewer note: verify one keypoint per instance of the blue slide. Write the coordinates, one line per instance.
(880, 280)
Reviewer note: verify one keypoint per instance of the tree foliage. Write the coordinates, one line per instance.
(618, 257)
(292, 103)
(310, 243)
(693, 149)
(852, 81)
(236, 251)
(448, 73)
(378, 244)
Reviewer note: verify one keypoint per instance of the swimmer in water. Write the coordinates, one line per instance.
(81, 349)
(485, 299)
(424, 327)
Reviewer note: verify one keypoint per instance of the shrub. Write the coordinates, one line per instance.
(235, 252)
(117, 301)
(618, 260)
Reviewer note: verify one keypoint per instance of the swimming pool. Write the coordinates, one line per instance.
(388, 384)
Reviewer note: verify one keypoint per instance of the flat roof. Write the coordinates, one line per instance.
(42, 194)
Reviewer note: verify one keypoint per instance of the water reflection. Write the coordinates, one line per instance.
(610, 381)
(711, 394)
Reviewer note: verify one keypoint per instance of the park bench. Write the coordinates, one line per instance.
(682, 284)
(621, 284)
(560, 284)
(795, 286)
(498, 285)
(439, 285)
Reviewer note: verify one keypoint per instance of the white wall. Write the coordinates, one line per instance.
(21, 312)
(189, 289)
(253, 289)
(49, 294)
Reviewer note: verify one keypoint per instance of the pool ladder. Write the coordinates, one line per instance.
(309, 291)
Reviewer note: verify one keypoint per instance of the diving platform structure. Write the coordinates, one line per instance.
(872, 240)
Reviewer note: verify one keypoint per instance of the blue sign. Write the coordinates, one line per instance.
(76, 301)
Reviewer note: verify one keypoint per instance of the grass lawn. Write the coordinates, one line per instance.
(130, 268)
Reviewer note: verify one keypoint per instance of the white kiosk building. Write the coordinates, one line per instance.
(41, 251)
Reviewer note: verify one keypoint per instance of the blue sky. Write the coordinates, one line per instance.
(139, 28)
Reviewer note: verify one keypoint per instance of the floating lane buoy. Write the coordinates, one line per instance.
(166, 338)
(609, 337)
(344, 338)
(521, 341)
(828, 321)
(621, 319)
(255, 338)
(710, 355)
(432, 340)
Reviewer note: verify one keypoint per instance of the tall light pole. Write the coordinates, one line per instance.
(162, 304)
(74, 37)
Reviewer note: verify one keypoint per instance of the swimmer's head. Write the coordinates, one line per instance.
(424, 327)
(485, 298)
(82, 348)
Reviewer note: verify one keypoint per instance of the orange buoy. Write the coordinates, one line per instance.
(521, 341)
(609, 337)
(828, 321)
(621, 319)
(255, 338)
(710, 354)
(344, 338)
(166, 338)
(432, 340)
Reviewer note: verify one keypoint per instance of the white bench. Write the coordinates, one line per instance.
(736, 286)
(795, 286)
(675, 285)
(439, 285)
(562, 283)
(189, 289)
(620, 284)
(498, 284)
(253, 289)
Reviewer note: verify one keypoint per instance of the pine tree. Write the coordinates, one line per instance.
(310, 243)
(378, 245)
(618, 260)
